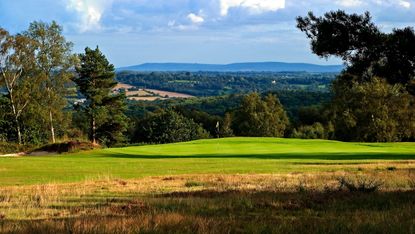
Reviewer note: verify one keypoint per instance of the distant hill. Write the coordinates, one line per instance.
(235, 67)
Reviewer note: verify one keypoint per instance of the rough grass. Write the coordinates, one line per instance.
(218, 204)
(218, 156)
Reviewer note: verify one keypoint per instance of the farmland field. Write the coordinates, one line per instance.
(213, 186)
(137, 94)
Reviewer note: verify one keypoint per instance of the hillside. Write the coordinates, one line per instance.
(235, 67)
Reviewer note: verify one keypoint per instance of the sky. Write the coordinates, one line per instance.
(132, 32)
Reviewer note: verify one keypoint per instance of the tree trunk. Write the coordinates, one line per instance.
(16, 118)
(52, 129)
(93, 131)
(19, 133)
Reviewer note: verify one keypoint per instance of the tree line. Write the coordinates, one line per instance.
(373, 99)
(203, 84)
(36, 68)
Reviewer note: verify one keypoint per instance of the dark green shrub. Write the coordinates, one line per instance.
(167, 126)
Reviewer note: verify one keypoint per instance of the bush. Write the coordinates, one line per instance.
(167, 126)
(10, 148)
(360, 184)
(315, 131)
(64, 147)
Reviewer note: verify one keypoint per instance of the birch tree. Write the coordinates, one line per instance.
(54, 60)
(16, 74)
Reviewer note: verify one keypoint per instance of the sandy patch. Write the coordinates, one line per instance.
(13, 155)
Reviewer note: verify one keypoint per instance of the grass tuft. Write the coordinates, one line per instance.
(362, 184)
(190, 184)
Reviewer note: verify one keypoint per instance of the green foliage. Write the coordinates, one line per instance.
(367, 51)
(203, 84)
(308, 115)
(35, 68)
(226, 126)
(18, 76)
(205, 120)
(372, 111)
(314, 131)
(11, 148)
(260, 117)
(338, 33)
(104, 110)
(6, 120)
(54, 60)
(115, 124)
(167, 126)
(374, 97)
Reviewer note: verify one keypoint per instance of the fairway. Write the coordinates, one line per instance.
(215, 156)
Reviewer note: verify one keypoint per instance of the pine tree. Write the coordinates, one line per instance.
(104, 109)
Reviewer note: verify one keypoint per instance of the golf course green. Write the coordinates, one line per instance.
(214, 156)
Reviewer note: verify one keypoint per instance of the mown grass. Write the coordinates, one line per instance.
(218, 156)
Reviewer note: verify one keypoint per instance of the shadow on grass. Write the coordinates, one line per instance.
(281, 156)
(251, 212)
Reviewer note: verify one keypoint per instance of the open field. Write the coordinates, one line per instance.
(169, 94)
(133, 93)
(257, 185)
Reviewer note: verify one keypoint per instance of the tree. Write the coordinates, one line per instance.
(372, 111)
(366, 50)
(207, 121)
(373, 98)
(17, 74)
(260, 117)
(225, 128)
(116, 122)
(54, 61)
(103, 108)
(167, 126)
(314, 131)
(6, 119)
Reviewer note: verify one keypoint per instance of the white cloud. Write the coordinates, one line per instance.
(349, 3)
(254, 6)
(196, 19)
(90, 12)
(405, 4)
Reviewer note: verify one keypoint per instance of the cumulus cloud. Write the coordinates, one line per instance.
(254, 6)
(89, 12)
(196, 19)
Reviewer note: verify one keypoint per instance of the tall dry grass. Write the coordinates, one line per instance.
(277, 203)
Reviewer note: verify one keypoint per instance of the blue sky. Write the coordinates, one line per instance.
(203, 31)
